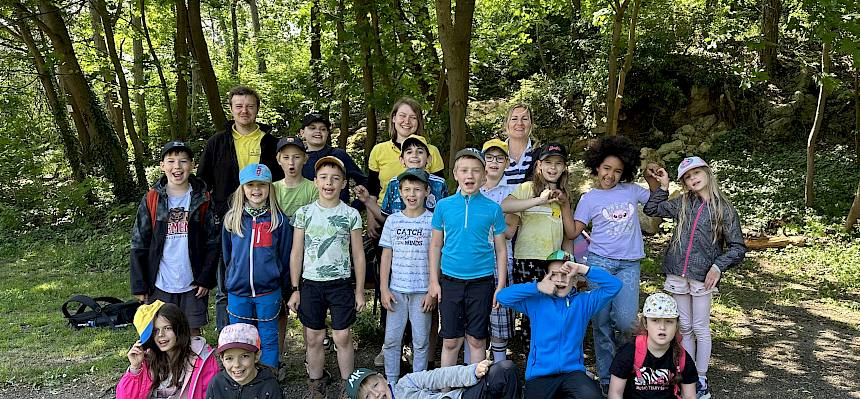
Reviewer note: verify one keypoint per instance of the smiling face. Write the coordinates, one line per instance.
(291, 159)
(609, 172)
(374, 387)
(244, 109)
(469, 174)
(240, 364)
(661, 331)
(177, 167)
(329, 182)
(256, 193)
(564, 282)
(497, 161)
(163, 334)
(405, 121)
(519, 124)
(696, 180)
(315, 135)
(552, 167)
(413, 192)
(414, 157)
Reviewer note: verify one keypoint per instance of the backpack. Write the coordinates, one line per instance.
(103, 311)
(152, 206)
(641, 349)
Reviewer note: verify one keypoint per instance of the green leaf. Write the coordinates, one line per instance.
(324, 245)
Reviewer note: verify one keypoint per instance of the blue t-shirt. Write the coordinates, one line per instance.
(614, 215)
(467, 222)
(409, 241)
(391, 201)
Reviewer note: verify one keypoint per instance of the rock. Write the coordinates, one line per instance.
(673, 146)
(704, 148)
(782, 110)
(704, 124)
(681, 137)
(807, 110)
(685, 131)
(722, 126)
(680, 118)
(700, 101)
(671, 157)
(777, 127)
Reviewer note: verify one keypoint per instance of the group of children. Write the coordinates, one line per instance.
(472, 256)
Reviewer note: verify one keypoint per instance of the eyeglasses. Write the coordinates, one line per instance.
(496, 158)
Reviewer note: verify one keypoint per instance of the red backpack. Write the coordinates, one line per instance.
(641, 346)
(152, 206)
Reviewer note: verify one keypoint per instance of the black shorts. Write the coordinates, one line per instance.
(574, 384)
(466, 306)
(196, 309)
(318, 297)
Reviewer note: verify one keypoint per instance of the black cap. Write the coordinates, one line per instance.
(470, 152)
(177, 145)
(315, 116)
(551, 149)
(417, 173)
(291, 140)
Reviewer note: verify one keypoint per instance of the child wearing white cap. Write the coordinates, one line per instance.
(243, 376)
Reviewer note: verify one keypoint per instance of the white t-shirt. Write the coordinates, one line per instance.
(409, 240)
(327, 230)
(174, 271)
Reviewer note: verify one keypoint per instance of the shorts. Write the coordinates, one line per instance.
(318, 297)
(500, 319)
(529, 270)
(196, 309)
(466, 306)
(684, 285)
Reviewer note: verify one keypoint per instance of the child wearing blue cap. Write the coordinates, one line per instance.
(256, 244)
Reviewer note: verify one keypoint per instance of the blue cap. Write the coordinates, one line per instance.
(255, 172)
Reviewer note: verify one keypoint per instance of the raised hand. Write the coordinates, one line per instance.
(136, 355)
(482, 368)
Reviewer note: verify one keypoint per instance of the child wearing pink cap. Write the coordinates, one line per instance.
(243, 376)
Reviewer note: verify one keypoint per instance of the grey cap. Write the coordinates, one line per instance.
(471, 152)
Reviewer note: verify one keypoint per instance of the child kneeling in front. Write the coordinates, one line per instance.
(243, 376)
(655, 365)
(560, 315)
(482, 380)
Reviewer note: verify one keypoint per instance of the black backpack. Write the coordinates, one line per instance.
(103, 311)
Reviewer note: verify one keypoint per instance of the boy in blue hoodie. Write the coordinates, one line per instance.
(560, 315)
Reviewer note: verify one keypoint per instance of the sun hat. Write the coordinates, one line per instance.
(660, 306)
(144, 319)
(495, 143)
(355, 379)
(690, 163)
(239, 335)
(255, 172)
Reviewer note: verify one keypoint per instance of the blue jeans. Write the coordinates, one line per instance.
(613, 325)
(261, 311)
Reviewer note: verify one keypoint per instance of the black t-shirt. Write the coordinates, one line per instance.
(656, 374)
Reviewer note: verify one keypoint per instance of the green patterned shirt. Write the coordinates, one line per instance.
(327, 234)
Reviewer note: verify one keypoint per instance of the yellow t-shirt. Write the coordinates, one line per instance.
(290, 199)
(385, 159)
(541, 229)
(247, 147)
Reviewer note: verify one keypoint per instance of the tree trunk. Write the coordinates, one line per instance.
(114, 112)
(854, 213)
(628, 62)
(207, 73)
(181, 54)
(345, 76)
(165, 92)
(139, 84)
(258, 42)
(405, 38)
(234, 27)
(857, 108)
(770, 35)
(425, 24)
(455, 34)
(104, 144)
(57, 103)
(316, 50)
(362, 27)
(379, 56)
(228, 39)
(575, 9)
(809, 193)
(137, 145)
(612, 88)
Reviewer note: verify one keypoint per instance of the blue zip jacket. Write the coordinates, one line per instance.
(558, 324)
(260, 253)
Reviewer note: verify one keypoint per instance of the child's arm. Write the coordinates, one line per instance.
(651, 173)
(571, 229)
(688, 391)
(501, 250)
(285, 252)
(436, 379)
(437, 238)
(369, 202)
(513, 223)
(297, 254)
(208, 279)
(516, 296)
(658, 203)
(141, 239)
(356, 244)
(607, 286)
(226, 246)
(736, 249)
(513, 204)
(386, 298)
(616, 388)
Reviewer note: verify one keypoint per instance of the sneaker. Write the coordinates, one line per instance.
(316, 389)
(379, 360)
(703, 390)
(328, 343)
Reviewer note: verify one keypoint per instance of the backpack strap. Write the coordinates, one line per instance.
(152, 206)
(681, 364)
(204, 207)
(641, 349)
(85, 302)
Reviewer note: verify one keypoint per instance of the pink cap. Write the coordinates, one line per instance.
(239, 335)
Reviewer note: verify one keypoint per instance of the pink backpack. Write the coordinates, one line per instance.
(641, 346)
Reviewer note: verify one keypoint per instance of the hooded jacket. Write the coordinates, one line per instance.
(697, 250)
(259, 262)
(219, 166)
(558, 324)
(147, 241)
(264, 385)
(139, 386)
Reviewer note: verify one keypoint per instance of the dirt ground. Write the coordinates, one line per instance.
(778, 347)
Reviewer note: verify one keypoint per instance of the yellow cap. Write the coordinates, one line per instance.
(144, 318)
(496, 143)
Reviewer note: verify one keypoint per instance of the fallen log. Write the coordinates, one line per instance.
(765, 242)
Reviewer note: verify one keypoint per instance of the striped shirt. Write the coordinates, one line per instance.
(517, 171)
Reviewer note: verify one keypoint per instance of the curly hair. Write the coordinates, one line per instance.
(618, 146)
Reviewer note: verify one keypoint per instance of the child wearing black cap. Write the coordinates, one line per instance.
(294, 190)
(315, 131)
(174, 242)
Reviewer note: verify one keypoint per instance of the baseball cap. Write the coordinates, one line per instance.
(690, 163)
(255, 172)
(417, 173)
(176, 145)
(660, 305)
(239, 335)
(315, 116)
(291, 140)
(551, 149)
(330, 159)
(470, 152)
(415, 139)
(144, 319)
(355, 379)
(559, 255)
(496, 143)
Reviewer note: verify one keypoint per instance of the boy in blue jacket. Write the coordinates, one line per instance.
(559, 317)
